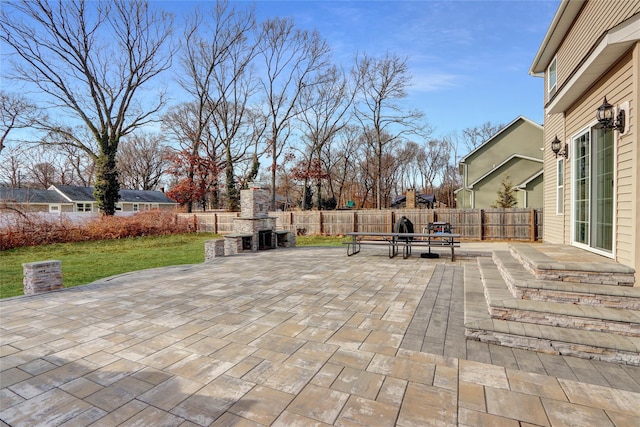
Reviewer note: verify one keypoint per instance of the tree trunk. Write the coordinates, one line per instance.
(107, 188)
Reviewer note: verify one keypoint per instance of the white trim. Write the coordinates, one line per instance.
(523, 184)
(498, 166)
(563, 19)
(560, 189)
(504, 129)
(550, 89)
(616, 42)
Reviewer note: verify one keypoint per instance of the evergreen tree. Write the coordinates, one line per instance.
(506, 195)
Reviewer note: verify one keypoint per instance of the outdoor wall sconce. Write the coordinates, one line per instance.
(606, 118)
(555, 147)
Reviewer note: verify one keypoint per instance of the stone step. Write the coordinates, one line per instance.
(523, 284)
(570, 264)
(503, 305)
(480, 326)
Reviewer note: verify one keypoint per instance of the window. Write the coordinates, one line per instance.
(552, 76)
(136, 208)
(83, 207)
(560, 186)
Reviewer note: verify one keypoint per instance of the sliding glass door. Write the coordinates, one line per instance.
(593, 183)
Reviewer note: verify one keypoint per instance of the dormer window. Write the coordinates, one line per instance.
(552, 77)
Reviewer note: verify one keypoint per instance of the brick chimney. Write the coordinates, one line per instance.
(411, 198)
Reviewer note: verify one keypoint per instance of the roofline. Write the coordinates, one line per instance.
(562, 21)
(513, 156)
(499, 132)
(54, 188)
(524, 183)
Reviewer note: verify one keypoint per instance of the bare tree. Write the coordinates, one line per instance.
(13, 167)
(292, 58)
(15, 113)
(475, 136)
(79, 163)
(216, 57)
(433, 161)
(383, 83)
(195, 163)
(339, 157)
(142, 161)
(91, 60)
(325, 110)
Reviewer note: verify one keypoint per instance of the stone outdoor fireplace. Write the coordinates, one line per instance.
(254, 229)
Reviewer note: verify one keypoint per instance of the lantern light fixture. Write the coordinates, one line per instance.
(556, 146)
(608, 119)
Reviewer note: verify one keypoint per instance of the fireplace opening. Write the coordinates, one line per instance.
(264, 239)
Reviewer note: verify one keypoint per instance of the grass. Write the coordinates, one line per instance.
(86, 262)
(319, 240)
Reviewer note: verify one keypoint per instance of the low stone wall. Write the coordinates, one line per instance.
(42, 276)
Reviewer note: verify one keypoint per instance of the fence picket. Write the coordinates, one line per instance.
(473, 224)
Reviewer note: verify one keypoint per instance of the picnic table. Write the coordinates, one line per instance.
(406, 241)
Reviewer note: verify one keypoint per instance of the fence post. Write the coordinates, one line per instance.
(215, 223)
(355, 221)
(195, 222)
(320, 217)
(481, 223)
(392, 218)
(532, 225)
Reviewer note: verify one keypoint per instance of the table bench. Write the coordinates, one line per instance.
(405, 240)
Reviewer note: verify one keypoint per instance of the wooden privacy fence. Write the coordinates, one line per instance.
(472, 224)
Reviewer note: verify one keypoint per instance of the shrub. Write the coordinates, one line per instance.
(20, 229)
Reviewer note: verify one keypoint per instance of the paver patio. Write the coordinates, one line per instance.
(290, 337)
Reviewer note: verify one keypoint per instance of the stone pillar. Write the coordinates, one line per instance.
(213, 248)
(411, 198)
(42, 276)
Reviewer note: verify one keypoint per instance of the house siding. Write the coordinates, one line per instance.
(595, 19)
(554, 224)
(535, 193)
(617, 85)
(632, 145)
(516, 170)
(523, 138)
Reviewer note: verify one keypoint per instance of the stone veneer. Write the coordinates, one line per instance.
(254, 218)
(42, 276)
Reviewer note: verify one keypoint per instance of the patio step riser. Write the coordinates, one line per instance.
(557, 326)
(553, 347)
(593, 277)
(570, 322)
(509, 273)
(609, 301)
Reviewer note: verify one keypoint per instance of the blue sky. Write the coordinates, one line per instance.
(469, 59)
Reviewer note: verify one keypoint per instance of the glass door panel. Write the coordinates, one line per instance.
(582, 166)
(602, 233)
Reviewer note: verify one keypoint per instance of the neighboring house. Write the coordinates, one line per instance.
(70, 198)
(514, 154)
(412, 200)
(592, 51)
(30, 200)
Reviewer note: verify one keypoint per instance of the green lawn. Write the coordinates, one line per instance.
(86, 262)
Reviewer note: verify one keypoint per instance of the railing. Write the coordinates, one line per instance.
(471, 224)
